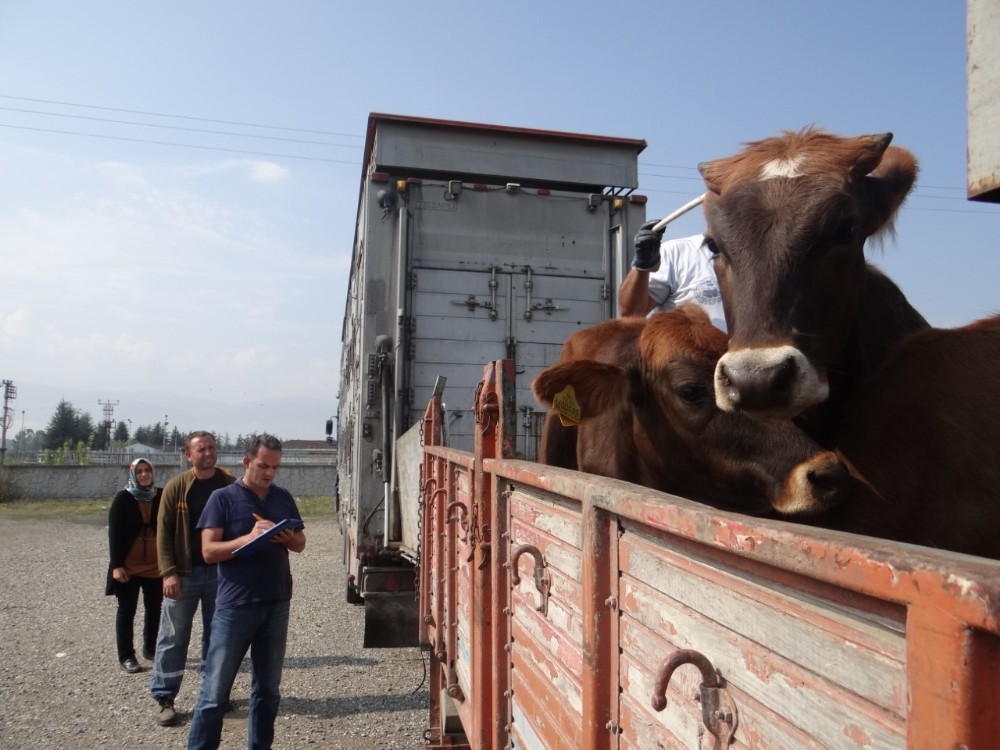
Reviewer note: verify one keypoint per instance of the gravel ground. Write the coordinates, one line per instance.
(61, 687)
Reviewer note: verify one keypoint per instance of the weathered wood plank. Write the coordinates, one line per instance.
(806, 631)
(547, 697)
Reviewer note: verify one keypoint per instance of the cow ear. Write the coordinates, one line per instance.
(869, 152)
(886, 189)
(596, 386)
(713, 173)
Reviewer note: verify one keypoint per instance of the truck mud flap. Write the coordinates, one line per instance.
(390, 619)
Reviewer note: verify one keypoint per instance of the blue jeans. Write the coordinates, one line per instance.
(262, 628)
(176, 619)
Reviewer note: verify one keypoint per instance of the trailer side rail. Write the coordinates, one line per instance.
(559, 607)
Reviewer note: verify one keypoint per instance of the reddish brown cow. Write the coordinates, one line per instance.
(925, 433)
(641, 392)
(808, 318)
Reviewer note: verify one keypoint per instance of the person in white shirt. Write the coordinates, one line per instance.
(665, 274)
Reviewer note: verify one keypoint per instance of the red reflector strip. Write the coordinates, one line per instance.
(480, 186)
(380, 176)
(639, 200)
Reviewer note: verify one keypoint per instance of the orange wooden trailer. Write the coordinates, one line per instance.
(559, 608)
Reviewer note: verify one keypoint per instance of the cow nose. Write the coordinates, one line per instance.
(757, 385)
(814, 486)
(774, 381)
(829, 483)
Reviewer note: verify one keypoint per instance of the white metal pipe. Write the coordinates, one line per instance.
(679, 212)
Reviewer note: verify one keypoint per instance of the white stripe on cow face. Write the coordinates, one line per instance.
(782, 168)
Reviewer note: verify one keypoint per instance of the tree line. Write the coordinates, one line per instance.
(72, 429)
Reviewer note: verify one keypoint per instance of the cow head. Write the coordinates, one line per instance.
(787, 219)
(646, 413)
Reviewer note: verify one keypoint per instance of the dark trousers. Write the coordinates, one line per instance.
(128, 601)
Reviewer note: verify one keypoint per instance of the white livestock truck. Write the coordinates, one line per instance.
(565, 610)
(473, 243)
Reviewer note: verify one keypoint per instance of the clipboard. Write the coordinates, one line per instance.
(257, 544)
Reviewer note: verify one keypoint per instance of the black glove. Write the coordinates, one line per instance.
(647, 247)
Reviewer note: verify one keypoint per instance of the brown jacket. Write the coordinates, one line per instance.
(173, 526)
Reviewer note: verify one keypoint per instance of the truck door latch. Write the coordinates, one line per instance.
(542, 581)
(718, 711)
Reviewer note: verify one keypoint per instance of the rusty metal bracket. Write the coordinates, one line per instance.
(428, 487)
(431, 493)
(542, 580)
(487, 408)
(718, 710)
(453, 689)
(473, 535)
(461, 518)
(484, 545)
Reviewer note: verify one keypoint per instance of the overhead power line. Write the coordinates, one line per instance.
(180, 127)
(250, 152)
(179, 145)
(179, 117)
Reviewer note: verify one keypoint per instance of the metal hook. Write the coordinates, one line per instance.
(721, 720)
(542, 581)
(461, 518)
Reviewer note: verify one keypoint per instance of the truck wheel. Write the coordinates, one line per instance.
(353, 597)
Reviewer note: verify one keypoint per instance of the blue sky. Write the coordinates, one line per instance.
(205, 282)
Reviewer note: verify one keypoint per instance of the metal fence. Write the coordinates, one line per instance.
(314, 456)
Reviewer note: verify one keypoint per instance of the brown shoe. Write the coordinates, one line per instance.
(165, 714)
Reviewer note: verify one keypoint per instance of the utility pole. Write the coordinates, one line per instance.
(9, 394)
(109, 413)
(166, 423)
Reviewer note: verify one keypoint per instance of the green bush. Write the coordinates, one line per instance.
(9, 489)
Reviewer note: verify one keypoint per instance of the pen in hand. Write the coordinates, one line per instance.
(260, 519)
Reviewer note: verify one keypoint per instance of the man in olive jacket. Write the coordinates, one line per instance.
(187, 579)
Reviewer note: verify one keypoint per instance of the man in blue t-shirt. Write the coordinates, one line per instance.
(251, 605)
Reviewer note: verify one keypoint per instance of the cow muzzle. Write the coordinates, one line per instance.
(815, 486)
(774, 382)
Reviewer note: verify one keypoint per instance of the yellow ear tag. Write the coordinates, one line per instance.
(566, 406)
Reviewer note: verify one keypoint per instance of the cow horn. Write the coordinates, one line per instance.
(870, 151)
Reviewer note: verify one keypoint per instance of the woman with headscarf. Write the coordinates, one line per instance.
(133, 567)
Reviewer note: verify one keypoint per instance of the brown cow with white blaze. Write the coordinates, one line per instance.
(642, 393)
(808, 318)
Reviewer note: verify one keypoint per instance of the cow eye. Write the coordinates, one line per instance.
(712, 247)
(692, 393)
(845, 232)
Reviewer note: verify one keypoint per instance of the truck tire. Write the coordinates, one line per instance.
(353, 596)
